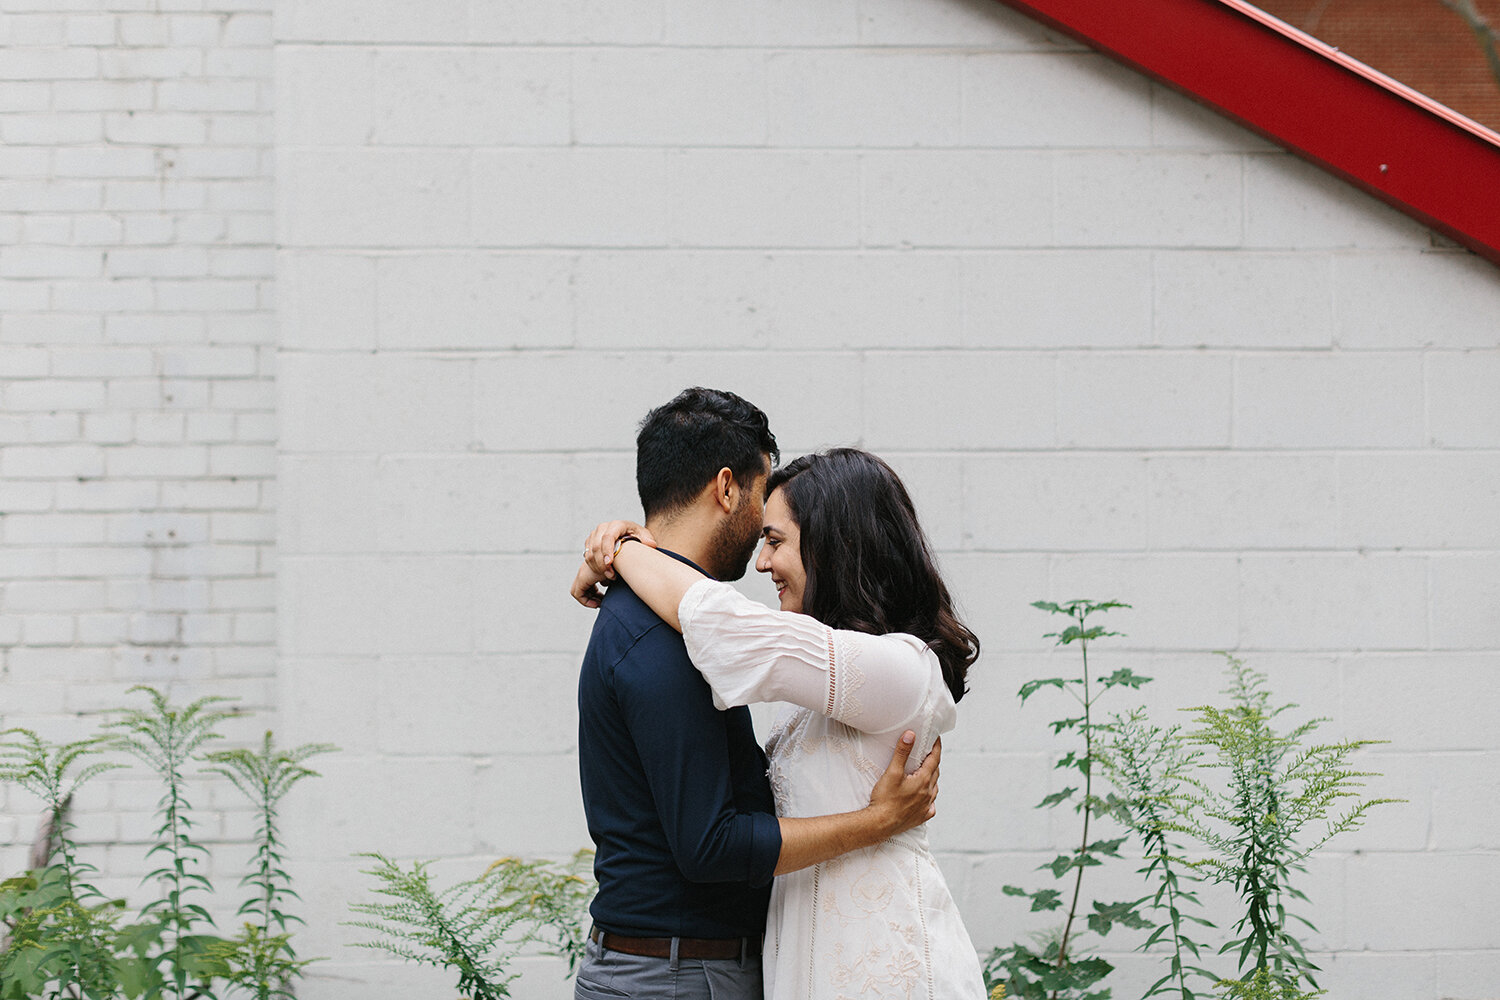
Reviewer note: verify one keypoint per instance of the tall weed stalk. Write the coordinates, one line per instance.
(261, 958)
(165, 737)
(1280, 802)
(1056, 971)
(1151, 768)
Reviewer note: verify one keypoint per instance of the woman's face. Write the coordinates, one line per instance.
(780, 552)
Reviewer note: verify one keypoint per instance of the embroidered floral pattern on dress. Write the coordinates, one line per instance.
(790, 739)
(848, 705)
(873, 974)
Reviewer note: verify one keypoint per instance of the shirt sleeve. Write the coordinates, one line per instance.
(683, 742)
(750, 653)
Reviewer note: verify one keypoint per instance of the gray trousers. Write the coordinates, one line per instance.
(611, 975)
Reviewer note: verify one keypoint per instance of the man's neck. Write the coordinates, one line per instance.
(684, 535)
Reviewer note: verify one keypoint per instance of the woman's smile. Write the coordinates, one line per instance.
(780, 556)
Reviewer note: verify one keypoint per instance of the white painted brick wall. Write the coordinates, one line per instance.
(1117, 346)
(930, 228)
(136, 417)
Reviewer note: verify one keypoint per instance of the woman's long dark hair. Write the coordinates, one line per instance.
(869, 567)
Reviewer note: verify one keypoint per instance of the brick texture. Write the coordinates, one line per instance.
(137, 442)
(1118, 348)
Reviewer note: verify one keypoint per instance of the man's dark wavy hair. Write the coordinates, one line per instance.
(684, 443)
(869, 566)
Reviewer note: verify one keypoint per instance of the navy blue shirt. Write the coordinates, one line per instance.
(675, 791)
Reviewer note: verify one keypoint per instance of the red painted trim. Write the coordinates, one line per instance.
(1386, 139)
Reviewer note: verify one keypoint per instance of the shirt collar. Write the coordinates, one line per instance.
(685, 559)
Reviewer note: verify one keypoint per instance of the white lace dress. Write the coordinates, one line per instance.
(875, 924)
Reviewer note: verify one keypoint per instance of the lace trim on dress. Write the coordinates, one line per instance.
(832, 685)
(926, 935)
(812, 932)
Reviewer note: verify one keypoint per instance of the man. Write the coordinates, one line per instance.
(675, 792)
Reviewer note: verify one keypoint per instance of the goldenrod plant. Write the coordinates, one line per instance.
(1264, 986)
(1150, 767)
(1282, 800)
(261, 957)
(165, 738)
(475, 928)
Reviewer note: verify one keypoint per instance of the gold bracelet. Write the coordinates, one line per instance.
(620, 544)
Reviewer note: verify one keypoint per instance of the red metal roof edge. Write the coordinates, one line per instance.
(1390, 141)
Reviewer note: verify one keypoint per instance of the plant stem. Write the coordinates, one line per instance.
(1088, 802)
(1170, 881)
(174, 906)
(268, 898)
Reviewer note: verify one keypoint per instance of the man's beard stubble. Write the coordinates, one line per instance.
(734, 543)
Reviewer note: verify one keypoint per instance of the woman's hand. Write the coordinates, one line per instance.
(599, 549)
(599, 557)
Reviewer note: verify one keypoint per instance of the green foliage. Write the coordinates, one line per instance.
(258, 962)
(265, 776)
(1276, 807)
(1280, 800)
(477, 926)
(261, 957)
(165, 738)
(1149, 766)
(1052, 969)
(1264, 986)
(59, 924)
(60, 939)
(58, 946)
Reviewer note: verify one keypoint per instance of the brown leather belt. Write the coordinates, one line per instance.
(686, 947)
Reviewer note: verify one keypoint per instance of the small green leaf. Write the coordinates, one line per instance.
(1124, 677)
(1056, 797)
(1045, 899)
(1110, 848)
(1031, 687)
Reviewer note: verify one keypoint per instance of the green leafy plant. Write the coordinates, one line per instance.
(61, 939)
(60, 927)
(1054, 969)
(1280, 798)
(1276, 807)
(261, 957)
(1264, 986)
(1151, 768)
(165, 738)
(57, 946)
(476, 927)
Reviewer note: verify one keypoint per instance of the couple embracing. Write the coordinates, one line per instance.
(801, 872)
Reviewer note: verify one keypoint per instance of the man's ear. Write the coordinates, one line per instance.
(724, 486)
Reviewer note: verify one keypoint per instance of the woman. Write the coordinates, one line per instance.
(866, 646)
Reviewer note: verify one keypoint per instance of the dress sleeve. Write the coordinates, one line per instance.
(750, 653)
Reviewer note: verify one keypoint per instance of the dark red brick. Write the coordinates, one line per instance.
(1419, 42)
